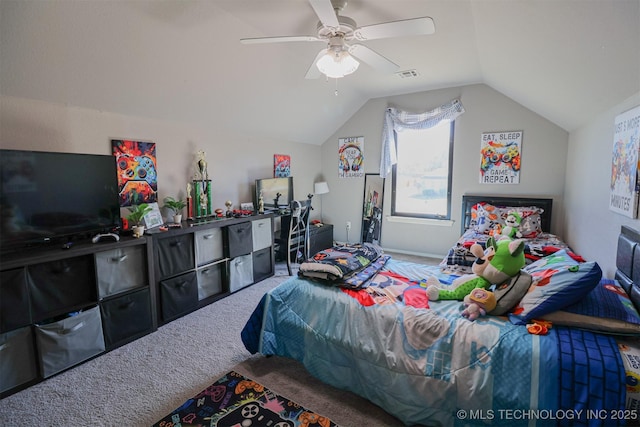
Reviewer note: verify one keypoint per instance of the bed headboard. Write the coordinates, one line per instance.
(468, 200)
(628, 263)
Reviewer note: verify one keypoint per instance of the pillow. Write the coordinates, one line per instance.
(531, 224)
(606, 309)
(558, 281)
(487, 218)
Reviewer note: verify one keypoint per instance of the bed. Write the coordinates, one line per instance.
(426, 364)
(484, 216)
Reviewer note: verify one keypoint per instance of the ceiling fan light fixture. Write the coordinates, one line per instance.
(337, 64)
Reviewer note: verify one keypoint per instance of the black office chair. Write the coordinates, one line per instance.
(298, 237)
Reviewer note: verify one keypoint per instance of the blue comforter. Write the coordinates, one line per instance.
(435, 367)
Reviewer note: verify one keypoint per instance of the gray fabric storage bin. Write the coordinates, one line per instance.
(209, 246)
(178, 295)
(14, 300)
(240, 272)
(120, 270)
(175, 255)
(239, 239)
(209, 280)
(262, 265)
(126, 316)
(17, 358)
(57, 286)
(261, 233)
(69, 341)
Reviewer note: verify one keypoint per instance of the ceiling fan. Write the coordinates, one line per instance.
(338, 32)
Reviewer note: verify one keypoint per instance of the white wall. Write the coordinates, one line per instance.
(591, 228)
(544, 149)
(234, 160)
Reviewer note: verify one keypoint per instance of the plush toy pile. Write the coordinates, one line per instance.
(498, 264)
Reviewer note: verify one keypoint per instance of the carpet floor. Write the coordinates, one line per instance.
(139, 383)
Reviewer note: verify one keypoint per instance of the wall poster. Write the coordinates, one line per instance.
(281, 165)
(625, 182)
(500, 157)
(351, 157)
(137, 176)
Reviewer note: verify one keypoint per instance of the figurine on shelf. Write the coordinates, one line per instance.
(228, 204)
(275, 201)
(202, 165)
(204, 201)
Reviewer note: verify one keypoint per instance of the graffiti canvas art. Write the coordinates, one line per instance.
(137, 172)
(281, 166)
(500, 157)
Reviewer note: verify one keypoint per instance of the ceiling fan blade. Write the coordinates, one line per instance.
(279, 39)
(407, 27)
(314, 72)
(373, 58)
(324, 10)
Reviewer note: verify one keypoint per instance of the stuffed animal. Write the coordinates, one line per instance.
(512, 225)
(478, 303)
(500, 261)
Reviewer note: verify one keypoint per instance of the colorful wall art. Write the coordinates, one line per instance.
(625, 164)
(500, 160)
(137, 172)
(281, 166)
(351, 157)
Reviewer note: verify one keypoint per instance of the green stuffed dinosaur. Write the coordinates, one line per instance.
(500, 261)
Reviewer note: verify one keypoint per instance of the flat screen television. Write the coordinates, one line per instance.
(270, 187)
(48, 197)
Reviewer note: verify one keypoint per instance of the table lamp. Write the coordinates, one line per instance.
(321, 188)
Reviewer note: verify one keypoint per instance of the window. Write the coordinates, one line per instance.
(421, 179)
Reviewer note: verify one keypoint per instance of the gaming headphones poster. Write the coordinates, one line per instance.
(137, 177)
(351, 157)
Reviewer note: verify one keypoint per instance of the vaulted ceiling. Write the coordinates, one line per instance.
(182, 60)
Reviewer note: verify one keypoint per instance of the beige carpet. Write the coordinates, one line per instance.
(139, 383)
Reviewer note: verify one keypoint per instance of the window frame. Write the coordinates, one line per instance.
(447, 216)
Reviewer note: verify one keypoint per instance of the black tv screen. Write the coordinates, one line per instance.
(48, 197)
(270, 187)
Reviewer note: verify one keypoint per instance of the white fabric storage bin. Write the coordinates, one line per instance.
(120, 270)
(17, 358)
(209, 246)
(69, 341)
(209, 280)
(261, 233)
(240, 272)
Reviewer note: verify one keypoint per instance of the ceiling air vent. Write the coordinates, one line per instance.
(408, 74)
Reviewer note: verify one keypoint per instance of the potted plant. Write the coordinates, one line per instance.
(176, 205)
(136, 213)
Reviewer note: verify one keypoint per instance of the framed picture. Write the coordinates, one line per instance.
(372, 208)
(154, 218)
(281, 165)
(625, 164)
(501, 157)
(137, 171)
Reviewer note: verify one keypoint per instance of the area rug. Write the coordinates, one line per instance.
(237, 401)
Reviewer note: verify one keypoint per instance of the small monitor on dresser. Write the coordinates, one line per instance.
(269, 188)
